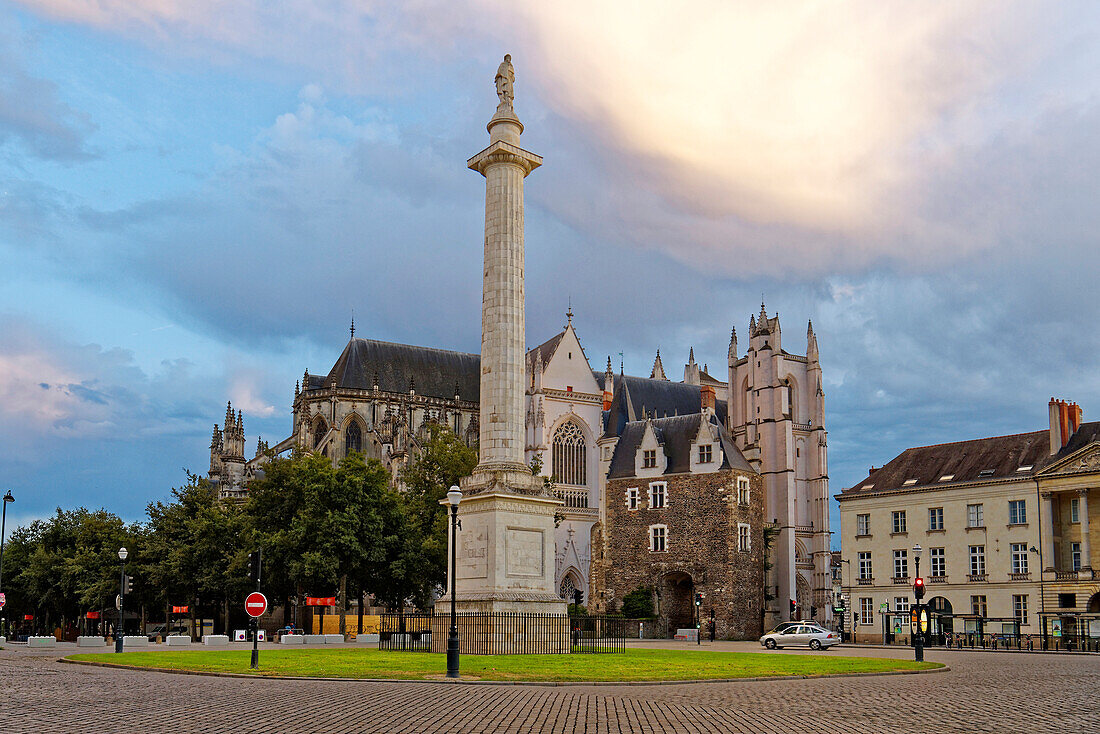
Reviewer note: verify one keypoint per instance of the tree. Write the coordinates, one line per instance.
(321, 527)
(66, 565)
(200, 549)
(638, 604)
(423, 566)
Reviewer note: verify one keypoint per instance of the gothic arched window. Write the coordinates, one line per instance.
(569, 455)
(353, 437)
(567, 588)
(319, 432)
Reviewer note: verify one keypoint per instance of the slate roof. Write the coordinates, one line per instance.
(547, 348)
(997, 457)
(676, 434)
(434, 372)
(636, 397)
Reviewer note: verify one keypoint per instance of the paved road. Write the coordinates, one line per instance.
(984, 692)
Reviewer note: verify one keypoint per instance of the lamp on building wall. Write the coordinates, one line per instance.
(1042, 600)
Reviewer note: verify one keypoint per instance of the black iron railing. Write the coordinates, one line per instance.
(503, 633)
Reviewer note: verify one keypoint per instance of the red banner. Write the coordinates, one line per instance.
(28, 617)
(179, 610)
(320, 601)
(92, 615)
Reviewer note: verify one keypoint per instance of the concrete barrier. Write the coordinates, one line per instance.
(178, 640)
(313, 639)
(292, 640)
(366, 639)
(334, 639)
(41, 641)
(129, 641)
(215, 640)
(91, 641)
(3, 640)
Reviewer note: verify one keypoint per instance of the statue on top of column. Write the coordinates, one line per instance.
(505, 81)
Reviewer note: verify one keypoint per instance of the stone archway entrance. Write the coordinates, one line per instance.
(1094, 604)
(676, 597)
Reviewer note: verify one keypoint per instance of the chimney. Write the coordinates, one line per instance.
(706, 398)
(1065, 419)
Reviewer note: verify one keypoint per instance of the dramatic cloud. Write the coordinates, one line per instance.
(824, 133)
(32, 114)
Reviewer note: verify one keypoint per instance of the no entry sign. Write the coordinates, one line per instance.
(255, 604)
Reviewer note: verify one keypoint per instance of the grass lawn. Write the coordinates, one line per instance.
(633, 665)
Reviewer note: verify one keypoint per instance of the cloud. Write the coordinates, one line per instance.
(32, 112)
(812, 138)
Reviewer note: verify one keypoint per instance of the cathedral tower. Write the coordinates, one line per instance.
(775, 409)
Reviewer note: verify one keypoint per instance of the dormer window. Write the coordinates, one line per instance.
(706, 454)
(649, 458)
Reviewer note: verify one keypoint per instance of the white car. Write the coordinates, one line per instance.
(815, 636)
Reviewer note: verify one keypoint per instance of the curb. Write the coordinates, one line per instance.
(867, 646)
(451, 681)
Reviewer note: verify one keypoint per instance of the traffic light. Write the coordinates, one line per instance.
(918, 588)
(127, 585)
(698, 599)
(794, 608)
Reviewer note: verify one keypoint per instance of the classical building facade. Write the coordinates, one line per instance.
(1003, 528)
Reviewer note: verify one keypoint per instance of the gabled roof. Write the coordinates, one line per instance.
(998, 457)
(547, 348)
(1085, 435)
(675, 434)
(634, 398)
(431, 372)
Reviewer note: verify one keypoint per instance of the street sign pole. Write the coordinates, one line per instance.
(255, 604)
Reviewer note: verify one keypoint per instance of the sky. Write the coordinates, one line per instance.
(196, 196)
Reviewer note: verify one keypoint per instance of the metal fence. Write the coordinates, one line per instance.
(412, 632)
(502, 633)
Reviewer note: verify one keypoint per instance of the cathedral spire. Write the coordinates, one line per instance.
(658, 371)
(733, 345)
(811, 342)
(229, 415)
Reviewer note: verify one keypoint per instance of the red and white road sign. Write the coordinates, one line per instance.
(3, 599)
(255, 604)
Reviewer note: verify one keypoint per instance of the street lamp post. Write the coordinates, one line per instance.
(122, 553)
(3, 526)
(1042, 601)
(454, 496)
(918, 592)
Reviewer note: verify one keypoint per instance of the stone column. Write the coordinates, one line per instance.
(1086, 548)
(1046, 531)
(506, 546)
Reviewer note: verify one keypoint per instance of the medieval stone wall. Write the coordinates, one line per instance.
(702, 515)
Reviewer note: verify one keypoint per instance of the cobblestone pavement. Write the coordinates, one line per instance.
(983, 692)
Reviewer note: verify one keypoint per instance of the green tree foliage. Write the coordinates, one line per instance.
(444, 460)
(638, 604)
(62, 567)
(323, 530)
(198, 550)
